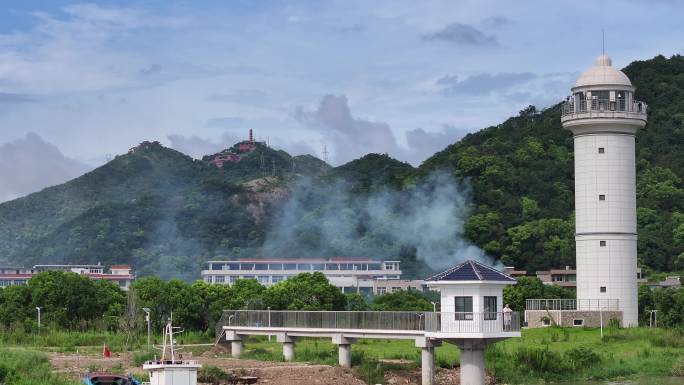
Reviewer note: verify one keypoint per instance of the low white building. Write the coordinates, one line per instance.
(351, 274)
(121, 275)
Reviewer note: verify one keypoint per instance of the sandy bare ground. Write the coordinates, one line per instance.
(274, 373)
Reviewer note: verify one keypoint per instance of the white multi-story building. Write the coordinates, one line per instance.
(353, 275)
(122, 275)
(604, 118)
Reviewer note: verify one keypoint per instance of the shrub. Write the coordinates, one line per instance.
(668, 339)
(582, 357)
(213, 375)
(542, 361)
(27, 368)
(371, 371)
(678, 369)
(139, 358)
(318, 355)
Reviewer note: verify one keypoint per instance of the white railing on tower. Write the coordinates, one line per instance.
(569, 107)
(572, 304)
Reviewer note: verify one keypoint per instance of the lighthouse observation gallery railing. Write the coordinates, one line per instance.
(584, 106)
(572, 304)
(466, 322)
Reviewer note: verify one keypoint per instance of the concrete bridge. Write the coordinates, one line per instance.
(470, 331)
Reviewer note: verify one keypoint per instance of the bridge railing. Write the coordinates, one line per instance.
(464, 322)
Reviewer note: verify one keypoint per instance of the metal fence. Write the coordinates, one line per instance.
(602, 105)
(373, 320)
(572, 304)
(472, 322)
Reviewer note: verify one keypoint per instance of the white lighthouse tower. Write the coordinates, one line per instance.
(604, 118)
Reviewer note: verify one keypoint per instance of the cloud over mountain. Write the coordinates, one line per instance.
(351, 137)
(30, 164)
(463, 34)
(483, 84)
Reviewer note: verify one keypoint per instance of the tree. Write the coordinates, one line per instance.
(356, 302)
(246, 293)
(70, 300)
(305, 291)
(15, 306)
(402, 300)
(532, 288)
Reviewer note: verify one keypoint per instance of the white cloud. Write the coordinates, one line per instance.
(463, 35)
(350, 137)
(97, 79)
(30, 164)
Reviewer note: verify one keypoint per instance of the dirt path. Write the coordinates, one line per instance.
(273, 373)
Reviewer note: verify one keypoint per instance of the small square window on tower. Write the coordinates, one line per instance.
(602, 197)
(602, 243)
(603, 289)
(602, 150)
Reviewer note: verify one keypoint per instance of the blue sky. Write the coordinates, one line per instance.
(403, 77)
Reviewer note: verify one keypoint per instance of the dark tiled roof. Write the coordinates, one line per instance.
(471, 271)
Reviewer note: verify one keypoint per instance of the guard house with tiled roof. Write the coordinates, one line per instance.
(471, 288)
(471, 301)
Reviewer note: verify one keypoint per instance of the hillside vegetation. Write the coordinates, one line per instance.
(522, 177)
(165, 213)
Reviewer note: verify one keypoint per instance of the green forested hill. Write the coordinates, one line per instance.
(522, 175)
(165, 213)
(154, 208)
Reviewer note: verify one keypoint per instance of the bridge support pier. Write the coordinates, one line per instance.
(427, 364)
(288, 346)
(343, 349)
(235, 343)
(235, 349)
(472, 361)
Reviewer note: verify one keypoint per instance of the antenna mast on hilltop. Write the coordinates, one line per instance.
(325, 153)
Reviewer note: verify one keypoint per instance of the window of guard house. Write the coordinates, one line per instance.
(463, 306)
(490, 307)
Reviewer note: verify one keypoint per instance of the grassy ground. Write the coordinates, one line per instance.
(541, 355)
(555, 354)
(20, 367)
(62, 341)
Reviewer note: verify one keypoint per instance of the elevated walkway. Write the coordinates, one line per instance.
(470, 331)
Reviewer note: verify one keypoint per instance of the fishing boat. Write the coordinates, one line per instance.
(97, 378)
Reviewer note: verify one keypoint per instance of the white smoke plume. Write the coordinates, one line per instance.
(333, 219)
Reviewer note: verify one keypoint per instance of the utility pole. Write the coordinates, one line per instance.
(38, 308)
(274, 170)
(147, 318)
